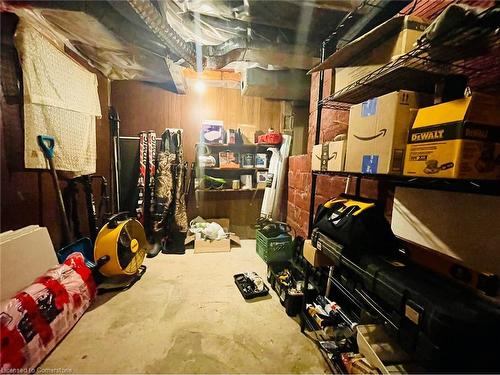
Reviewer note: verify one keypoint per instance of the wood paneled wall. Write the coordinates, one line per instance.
(142, 106)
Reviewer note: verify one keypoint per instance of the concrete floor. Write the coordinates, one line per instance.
(187, 316)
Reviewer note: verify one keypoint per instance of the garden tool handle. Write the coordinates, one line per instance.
(47, 143)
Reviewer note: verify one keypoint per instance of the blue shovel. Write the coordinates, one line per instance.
(47, 143)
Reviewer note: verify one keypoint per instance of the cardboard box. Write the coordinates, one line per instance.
(351, 74)
(219, 246)
(384, 43)
(329, 156)
(457, 139)
(408, 31)
(314, 257)
(430, 218)
(378, 130)
(212, 132)
(373, 50)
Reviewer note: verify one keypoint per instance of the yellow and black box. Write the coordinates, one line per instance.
(457, 139)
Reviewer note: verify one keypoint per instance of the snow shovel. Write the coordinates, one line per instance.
(47, 143)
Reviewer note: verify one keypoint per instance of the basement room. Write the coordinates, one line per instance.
(250, 187)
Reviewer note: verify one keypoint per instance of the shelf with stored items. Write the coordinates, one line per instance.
(471, 50)
(241, 169)
(421, 69)
(238, 145)
(226, 164)
(466, 55)
(233, 157)
(228, 190)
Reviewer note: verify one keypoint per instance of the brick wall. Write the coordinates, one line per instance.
(299, 191)
(333, 123)
(299, 185)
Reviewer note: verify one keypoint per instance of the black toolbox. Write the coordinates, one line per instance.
(289, 297)
(247, 287)
(445, 325)
(290, 293)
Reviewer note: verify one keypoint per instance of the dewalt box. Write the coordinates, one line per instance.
(457, 139)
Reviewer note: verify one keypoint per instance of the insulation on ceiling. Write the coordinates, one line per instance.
(119, 49)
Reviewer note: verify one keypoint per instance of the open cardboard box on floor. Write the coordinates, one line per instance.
(217, 246)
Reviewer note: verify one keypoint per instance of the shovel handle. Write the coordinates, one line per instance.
(47, 143)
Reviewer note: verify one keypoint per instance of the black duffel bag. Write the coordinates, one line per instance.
(360, 226)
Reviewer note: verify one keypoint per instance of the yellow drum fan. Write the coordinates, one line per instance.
(123, 241)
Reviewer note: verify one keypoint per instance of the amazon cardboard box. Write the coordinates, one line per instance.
(329, 156)
(377, 133)
(457, 139)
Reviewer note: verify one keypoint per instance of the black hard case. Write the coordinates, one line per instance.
(446, 326)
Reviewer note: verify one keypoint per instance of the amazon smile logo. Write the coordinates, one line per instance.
(333, 156)
(381, 133)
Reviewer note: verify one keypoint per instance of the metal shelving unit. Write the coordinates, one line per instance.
(472, 51)
(238, 145)
(486, 187)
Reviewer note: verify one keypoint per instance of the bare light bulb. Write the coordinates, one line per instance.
(199, 86)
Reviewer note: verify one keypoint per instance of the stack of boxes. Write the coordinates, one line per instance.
(380, 46)
(402, 132)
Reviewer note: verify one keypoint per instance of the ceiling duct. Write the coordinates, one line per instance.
(287, 84)
(261, 53)
(158, 24)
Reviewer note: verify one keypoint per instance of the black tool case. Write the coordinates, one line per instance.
(246, 287)
(297, 265)
(445, 325)
(291, 300)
